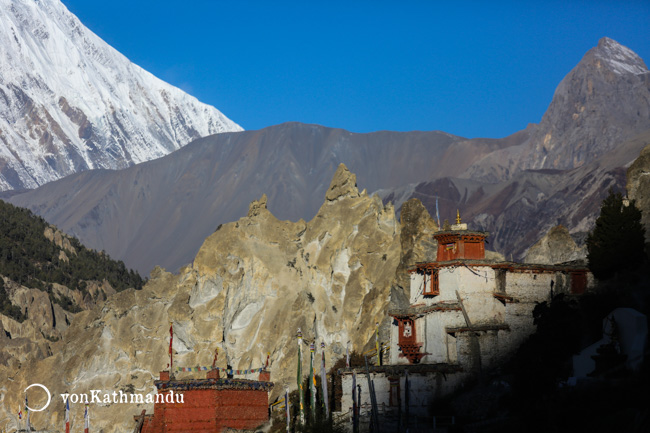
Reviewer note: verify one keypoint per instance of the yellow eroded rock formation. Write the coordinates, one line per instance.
(253, 283)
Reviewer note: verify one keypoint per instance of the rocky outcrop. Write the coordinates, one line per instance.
(59, 238)
(556, 247)
(344, 185)
(253, 283)
(417, 243)
(638, 185)
(46, 320)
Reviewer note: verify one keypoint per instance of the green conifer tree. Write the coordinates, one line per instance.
(617, 242)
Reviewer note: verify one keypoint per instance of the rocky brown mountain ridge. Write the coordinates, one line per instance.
(143, 214)
(252, 284)
(517, 187)
(594, 128)
(519, 211)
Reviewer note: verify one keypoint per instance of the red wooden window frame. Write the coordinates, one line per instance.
(433, 288)
(408, 344)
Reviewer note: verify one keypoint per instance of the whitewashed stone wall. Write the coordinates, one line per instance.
(468, 350)
(435, 334)
(476, 286)
(424, 389)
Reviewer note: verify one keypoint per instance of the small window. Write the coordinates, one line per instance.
(501, 280)
(578, 282)
(431, 287)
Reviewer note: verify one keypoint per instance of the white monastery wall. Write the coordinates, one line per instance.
(424, 389)
(435, 335)
(529, 286)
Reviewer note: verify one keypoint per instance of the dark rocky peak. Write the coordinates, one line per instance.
(617, 57)
(601, 103)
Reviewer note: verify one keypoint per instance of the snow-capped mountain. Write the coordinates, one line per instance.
(69, 102)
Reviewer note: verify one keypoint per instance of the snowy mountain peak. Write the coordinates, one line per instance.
(70, 102)
(620, 59)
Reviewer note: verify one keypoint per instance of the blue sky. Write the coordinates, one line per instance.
(475, 69)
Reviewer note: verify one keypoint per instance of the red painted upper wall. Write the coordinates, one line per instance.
(453, 245)
(210, 405)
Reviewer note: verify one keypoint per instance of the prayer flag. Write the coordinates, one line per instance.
(29, 428)
(312, 381)
(171, 340)
(67, 416)
(323, 381)
(300, 390)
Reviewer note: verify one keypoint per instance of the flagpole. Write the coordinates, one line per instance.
(86, 420)
(27, 411)
(286, 405)
(323, 381)
(377, 343)
(354, 402)
(300, 390)
(312, 382)
(171, 353)
(214, 360)
(67, 415)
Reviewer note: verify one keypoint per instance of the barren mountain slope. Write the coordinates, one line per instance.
(159, 212)
(519, 211)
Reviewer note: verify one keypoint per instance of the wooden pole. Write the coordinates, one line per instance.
(138, 426)
(373, 400)
(476, 345)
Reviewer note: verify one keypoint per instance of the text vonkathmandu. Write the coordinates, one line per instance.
(119, 397)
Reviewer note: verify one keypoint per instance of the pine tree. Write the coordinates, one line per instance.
(617, 241)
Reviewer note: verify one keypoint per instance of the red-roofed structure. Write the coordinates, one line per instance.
(208, 405)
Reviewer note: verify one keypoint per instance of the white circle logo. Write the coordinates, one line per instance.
(49, 397)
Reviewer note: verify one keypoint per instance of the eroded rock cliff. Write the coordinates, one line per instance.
(555, 247)
(253, 283)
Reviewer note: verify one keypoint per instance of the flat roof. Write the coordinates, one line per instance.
(399, 369)
(419, 310)
(513, 266)
(218, 384)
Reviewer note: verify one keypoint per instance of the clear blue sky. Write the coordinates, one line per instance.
(475, 69)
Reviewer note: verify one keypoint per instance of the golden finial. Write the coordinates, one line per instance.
(457, 216)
